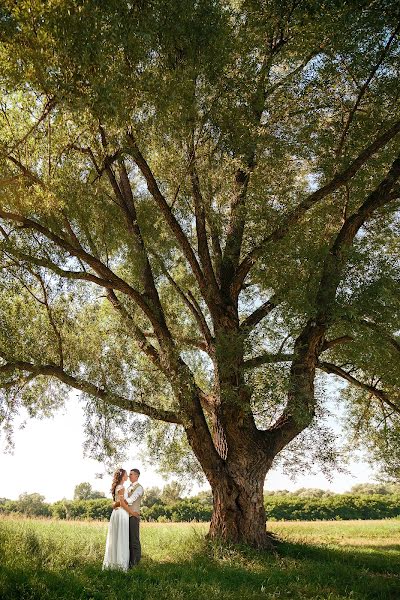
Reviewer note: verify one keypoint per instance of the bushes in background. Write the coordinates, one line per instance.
(99, 509)
(337, 507)
(287, 508)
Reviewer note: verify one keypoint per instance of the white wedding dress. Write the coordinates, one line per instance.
(116, 555)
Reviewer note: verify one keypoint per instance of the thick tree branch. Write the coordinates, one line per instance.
(14, 253)
(216, 244)
(234, 236)
(295, 215)
(26, 172)
(337, 256)
(235, 230)
(193, 306)
(269, 357)
(100, 268)
(337, 341)
(364, 89)
(87, 387)
(167, 213)
(125, 200)
(140, 337)
(300, 406)
(151, 292)
(201, 320)
(202, 242)
(378, 393)
(262, 311)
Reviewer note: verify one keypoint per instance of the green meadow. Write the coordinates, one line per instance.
(326, 560)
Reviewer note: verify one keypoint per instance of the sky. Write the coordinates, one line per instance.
(48, 459)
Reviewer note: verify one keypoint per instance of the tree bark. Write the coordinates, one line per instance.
(238, 510)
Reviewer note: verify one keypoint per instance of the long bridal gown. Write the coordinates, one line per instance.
(116, 555)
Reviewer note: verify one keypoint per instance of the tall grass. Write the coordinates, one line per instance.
(318, 560)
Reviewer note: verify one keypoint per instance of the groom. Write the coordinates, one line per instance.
(134, 496)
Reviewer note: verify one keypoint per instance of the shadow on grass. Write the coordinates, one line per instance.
(371, 557)
(395, 547)
(213, 572)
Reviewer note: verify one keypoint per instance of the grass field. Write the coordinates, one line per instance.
(319, 560)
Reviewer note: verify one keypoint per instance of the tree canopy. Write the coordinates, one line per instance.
(199, 221)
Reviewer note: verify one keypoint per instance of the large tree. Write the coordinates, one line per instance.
(198, 219)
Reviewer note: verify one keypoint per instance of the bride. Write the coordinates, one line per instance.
(116, 555)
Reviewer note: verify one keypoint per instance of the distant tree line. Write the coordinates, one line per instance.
(364, 501)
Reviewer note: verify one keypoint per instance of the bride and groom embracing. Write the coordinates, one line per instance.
(123, 548)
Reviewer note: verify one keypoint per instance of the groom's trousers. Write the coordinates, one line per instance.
(135, 550)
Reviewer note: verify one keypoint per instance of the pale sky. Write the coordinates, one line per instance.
(48, 459)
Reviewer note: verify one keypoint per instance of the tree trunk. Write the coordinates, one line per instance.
(238, 511)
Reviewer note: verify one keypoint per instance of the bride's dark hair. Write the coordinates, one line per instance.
(118, 475)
